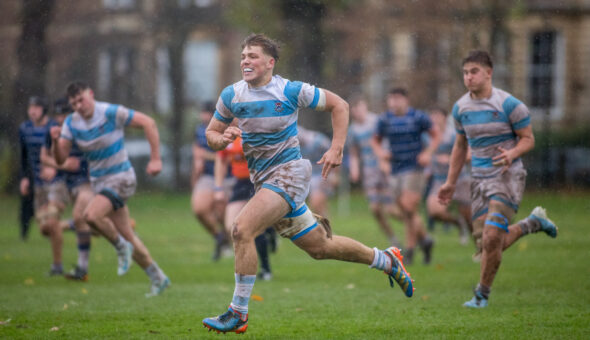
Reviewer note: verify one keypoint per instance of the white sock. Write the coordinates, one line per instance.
(83, 259)
(380, 260)
(154, 272)
(120, 243)
(242, 292)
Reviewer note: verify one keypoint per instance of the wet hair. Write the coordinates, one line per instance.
(74, 88)
(479, 57)
(399, 90)
(268, 45)
(39, 101)
(208, 106)
(62, 106)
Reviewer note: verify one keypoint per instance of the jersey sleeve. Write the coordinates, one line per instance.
(518, 114)
(305, 95)
(123, 116)
(457, 121)
(223, 107)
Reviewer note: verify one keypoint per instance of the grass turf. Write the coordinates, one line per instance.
(541, 291)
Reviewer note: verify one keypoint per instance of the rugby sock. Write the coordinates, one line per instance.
(484, 290)
(154, 272)
(242, 292)
(380, 260)
(83, 249)
(529, 225)
(120, 243)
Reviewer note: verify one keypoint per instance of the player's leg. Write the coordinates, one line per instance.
(49, 226)
(83, 195)
(409, 201)
(380, 200)
(205, 211)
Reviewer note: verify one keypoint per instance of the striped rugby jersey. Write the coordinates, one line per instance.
(488, 124)
(267, 116)
(360, 135)
(32, 138)
(101, 139)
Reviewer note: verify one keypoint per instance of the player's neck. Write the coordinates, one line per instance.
(484, 93)
(262, 82)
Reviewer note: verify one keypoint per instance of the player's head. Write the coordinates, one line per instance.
(258, 58)
(438, 115)
(477, 71)
(62, 108)
(81, 98)
(207, 110)
(37, 108)
(358, 108)
(398, 101)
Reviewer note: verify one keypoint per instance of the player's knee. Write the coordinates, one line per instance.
(239, 235)
(491, 241)
(91, 218)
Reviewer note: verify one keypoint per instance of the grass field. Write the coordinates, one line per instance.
(542, 290)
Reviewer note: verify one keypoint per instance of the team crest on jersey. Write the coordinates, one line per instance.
(496, 115)
(279, 107)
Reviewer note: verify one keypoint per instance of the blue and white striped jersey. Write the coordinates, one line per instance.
(267, 116)
(489, 124)
(101, 139)
(360, 135)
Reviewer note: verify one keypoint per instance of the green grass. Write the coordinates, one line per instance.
(542, 289)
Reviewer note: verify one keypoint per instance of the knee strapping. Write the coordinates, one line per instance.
(497, 220)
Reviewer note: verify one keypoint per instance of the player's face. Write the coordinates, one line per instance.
(359, 111)
(83, 103)
(398, 103)
(35, 113)
(256, 66)
(476, 76)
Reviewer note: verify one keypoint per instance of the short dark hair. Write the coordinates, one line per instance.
(61, 106)
(439, 109)
(39, 101)
(268, 45)
(480, 57)
(399, 90)
(74, 88)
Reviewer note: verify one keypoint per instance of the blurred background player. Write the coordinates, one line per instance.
(208, 212)
(440, 168)
(32, 134)
(98, 130)
(375, 182)
(402, 126)
(242, 191)
(313, 145)
(497, 127)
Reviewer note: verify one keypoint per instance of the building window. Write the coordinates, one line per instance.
(547, 71)
(116, 74)
(201, 63)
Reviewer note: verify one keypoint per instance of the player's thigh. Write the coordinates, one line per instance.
(409, 200)
(83, 196)
(313, 241)
(263, 210)
(98, 207)
(120, 219)
(433, 206)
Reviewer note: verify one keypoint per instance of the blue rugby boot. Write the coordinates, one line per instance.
(478, 301)
(398, 272)
(230, 321)
(546, 225)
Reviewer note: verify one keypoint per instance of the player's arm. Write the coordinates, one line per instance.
(425, 157)
(219, 172)
(60, 147)
(71, 164)
(220, 134)
(458, 157)
(338, 107)
(148, 124)
(526, 142)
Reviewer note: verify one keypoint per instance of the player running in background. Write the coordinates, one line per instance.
(210, 215)
(242, 191)
(32, 134)
(439, 168)
(402, 126)
(497, 127)
(98, 130)
(266, 109)
(375, 182)
(314, 145)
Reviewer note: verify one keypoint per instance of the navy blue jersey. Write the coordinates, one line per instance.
(404, 136)
(72, 178)
(201, 141)
(32, 138)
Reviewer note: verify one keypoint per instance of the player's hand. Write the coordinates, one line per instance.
(445, 193)
(25, 185)
(504, 159)
(55, 131)
(331, 159)
(72, 164)
(47, 173)
(154, 167)
(230, 134)
(424, 158)
(385, 166)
